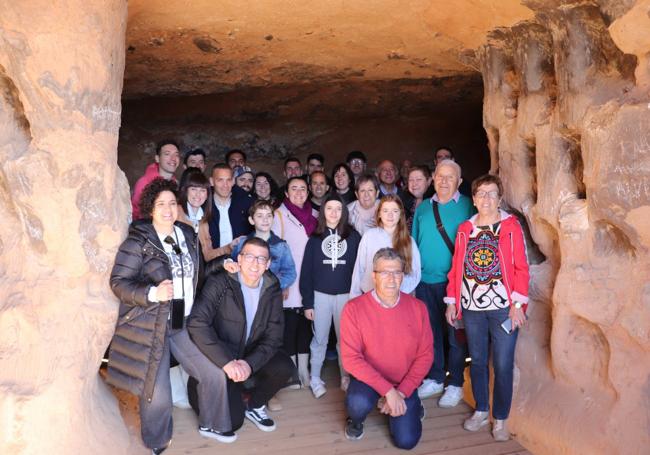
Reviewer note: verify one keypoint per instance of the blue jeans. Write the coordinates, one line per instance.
(483, 328)
(444, 336)
(405, 430)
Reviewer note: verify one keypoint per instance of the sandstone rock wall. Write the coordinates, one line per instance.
(63, 204)
(567, 113)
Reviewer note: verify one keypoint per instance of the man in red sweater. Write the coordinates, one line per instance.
(168, 158)
(387, 347)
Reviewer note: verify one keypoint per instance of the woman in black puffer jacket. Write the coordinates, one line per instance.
(155, 276)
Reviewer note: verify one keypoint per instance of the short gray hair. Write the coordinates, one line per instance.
(450, 163)
(387, 254)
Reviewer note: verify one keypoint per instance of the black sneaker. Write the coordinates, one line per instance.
(159, 450)
(221, 436)
(353, 432)
(259, 417)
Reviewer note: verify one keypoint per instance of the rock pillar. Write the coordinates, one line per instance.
(569, 128)
(63, 205)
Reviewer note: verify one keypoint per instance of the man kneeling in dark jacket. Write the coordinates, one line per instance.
(237, 322)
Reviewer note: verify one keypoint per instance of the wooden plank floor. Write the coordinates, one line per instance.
(307, 426)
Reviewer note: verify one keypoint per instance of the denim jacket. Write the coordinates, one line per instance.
(282, 265)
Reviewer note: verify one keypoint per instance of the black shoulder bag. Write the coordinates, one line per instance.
(441, 228)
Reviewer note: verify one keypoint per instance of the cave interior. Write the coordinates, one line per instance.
(553, 95)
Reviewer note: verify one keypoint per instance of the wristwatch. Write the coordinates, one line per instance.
(518, 305)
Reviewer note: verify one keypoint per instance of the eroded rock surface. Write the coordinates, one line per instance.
(210, 46)
(390, 119)
(63, 202)
(569, 129)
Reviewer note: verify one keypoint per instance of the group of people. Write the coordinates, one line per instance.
(241, 281)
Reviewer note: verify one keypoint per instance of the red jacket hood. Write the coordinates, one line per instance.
(151, 170)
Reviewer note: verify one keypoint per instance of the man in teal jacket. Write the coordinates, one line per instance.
(436, 253)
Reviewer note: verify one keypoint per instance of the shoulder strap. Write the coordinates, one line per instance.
(279, 212)
(441, 228)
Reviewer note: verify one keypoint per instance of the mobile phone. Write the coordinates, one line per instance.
(178, 313)
(507, 326)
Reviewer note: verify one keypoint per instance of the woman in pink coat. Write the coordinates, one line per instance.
(294, 222)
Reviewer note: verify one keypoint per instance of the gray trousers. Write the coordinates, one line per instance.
(326, 307)
(156, 416)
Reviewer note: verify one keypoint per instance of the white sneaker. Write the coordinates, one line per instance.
(429, 388)
(260, 418)
(478, 420)
(221, 436)
(317, 387)
(500, 431)
(451, 397)
(182, 404)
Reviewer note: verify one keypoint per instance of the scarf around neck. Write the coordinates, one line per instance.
(303, 215)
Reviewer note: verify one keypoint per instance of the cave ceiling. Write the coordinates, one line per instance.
(208, 47)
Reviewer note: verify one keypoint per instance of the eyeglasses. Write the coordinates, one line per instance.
(490, 194)
(389, 273)
(356, 162)
(250, 258)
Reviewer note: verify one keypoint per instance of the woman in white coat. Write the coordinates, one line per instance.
(392, 232)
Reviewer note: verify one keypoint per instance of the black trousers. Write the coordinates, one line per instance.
(297, 331)
(260, 387)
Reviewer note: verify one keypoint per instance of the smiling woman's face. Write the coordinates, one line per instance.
(262, 187)
(341, 179)
(297, 192)
(487, 200)
(389, 214)
(196, 196)
(165, 210)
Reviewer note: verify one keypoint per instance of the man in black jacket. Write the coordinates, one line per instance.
(230, 212)
(237, 322)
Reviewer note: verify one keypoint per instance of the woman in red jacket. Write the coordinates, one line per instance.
(488, 289)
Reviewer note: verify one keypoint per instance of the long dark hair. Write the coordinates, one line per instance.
(272, 184)
(193, 178)
(347, 171)
(344, 229)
